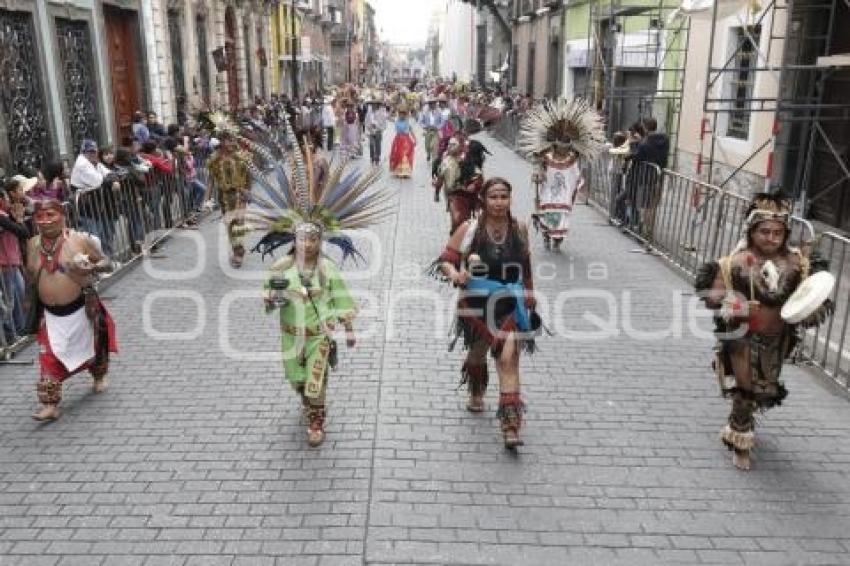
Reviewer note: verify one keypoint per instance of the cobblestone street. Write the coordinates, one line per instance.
(197, 455)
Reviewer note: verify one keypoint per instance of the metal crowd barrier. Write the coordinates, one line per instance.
(507, 129)
(689, 222)
(129, 218)
(826, 346)
(134, 214)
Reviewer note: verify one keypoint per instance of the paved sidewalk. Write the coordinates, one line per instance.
(195, 456)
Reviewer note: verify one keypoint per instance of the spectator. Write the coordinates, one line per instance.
(158, 185)
(110, 200)
(304, 112)
(156, 129)
(168, 147)
(139, 164)
(151, 153)
(11, 261)
(653, 148)
(24, 187)
(87, 178)
(51, 183)
(85, 174)
(174, 132)
(195, 191)
(201, 145)
(255, 119)
(633, 172)
(140, 128)
(131, 195)
(617, 151)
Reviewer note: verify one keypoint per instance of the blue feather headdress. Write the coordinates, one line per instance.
(287, 198)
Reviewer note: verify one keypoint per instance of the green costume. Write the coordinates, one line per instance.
(293, 204)
(307, 316)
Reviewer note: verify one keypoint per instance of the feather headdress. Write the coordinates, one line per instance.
(768, 206)
(216, 122)
(573, 124)
(287, 199)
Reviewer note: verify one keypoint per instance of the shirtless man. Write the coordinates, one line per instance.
(75, 331)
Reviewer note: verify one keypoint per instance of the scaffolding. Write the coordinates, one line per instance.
(636, 59)
(807, 147)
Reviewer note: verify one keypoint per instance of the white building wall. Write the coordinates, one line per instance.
(457, 40)
(152, 32)
(730, 153)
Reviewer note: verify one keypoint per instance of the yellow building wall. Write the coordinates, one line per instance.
(280, 24)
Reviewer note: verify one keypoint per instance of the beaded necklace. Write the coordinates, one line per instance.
(50, 256)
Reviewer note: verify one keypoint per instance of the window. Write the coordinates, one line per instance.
(175, 31)
(203, 56)
(745, 45)
(532, 56)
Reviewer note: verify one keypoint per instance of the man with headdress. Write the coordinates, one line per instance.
(230, 174)
(307, 287)
(747, 290)
(555, 134)
(74, 330)
(313, 301)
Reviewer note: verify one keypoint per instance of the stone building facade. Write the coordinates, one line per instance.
(76, 69)
(537, 51)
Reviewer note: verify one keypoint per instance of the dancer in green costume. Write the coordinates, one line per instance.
(295, 210)
(314, 301)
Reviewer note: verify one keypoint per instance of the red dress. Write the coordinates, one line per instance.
(401, 154)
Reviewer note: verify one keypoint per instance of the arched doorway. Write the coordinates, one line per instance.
(230, 55)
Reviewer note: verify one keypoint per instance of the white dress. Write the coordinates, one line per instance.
(557, 192)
